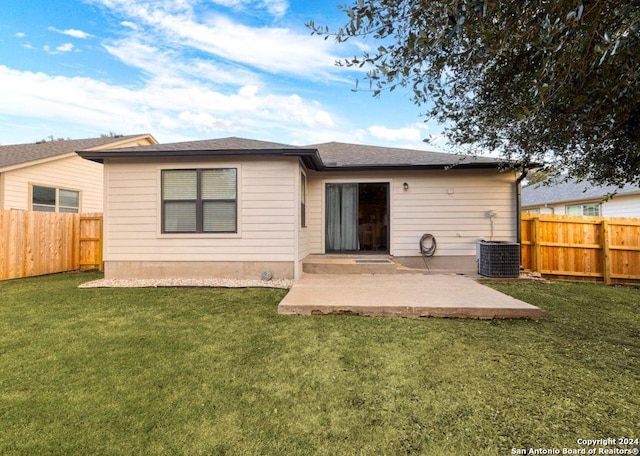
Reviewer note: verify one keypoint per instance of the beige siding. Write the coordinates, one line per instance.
(622, 206)
(68, 171)
(267, 214)
(452, 205)
(303, 232)
(73, 173)
(315, 212)
(618, 206)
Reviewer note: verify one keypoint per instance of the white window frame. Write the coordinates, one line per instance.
(56, 207)
(582, 207)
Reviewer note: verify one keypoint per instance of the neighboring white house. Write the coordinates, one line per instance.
(49, 176)
(235, 207)
(570, 197)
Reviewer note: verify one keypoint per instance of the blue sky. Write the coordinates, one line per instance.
(190, 69)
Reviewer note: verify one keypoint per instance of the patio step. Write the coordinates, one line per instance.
(327, 264)
(402, 295)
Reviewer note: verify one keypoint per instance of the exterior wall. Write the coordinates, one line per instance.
(618, 206)
(622, 206)
(69, 172)
(2, 190)
(268, 222)
(303, 233)
(452, 205)
(72, 173)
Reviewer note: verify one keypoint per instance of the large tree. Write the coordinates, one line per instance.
(540, 81)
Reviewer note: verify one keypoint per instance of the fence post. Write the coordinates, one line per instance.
(537, 250)
(606, 258)
(100, 247)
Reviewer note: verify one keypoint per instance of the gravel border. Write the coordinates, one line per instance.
(213, 283)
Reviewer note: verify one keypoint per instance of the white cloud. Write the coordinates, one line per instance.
(72, 32)
(129, 24)
(175, 110)
(66, 47)
(205, 122)
(271, 49)
(167, 65)
(410, 133)
(274, 7)
(20, 35)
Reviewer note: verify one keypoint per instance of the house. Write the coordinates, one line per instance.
(49, 176)
(570, 197)
(236, 207)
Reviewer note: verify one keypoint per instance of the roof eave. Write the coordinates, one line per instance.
(310, 157)
(39, 161)
(406, 167)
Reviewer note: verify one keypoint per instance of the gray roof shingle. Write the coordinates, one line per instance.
(561, 190)
(356, 155)
(23, 153)
(328, 156)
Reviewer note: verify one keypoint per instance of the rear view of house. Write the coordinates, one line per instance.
(49, 176)
(235, 207)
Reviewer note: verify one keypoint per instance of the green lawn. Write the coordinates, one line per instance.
(214, 371)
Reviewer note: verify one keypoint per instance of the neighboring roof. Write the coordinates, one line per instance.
(562, 190)
(24, 153)
(320, 157)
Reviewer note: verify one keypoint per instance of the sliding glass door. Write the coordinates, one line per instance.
(342, 217)
(357, 217)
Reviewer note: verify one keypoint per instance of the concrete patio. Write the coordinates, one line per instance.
(402, 295)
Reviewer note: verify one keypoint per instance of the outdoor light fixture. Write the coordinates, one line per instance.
(405, 186)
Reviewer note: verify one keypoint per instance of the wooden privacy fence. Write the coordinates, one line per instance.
(37, 243)
(597, 248)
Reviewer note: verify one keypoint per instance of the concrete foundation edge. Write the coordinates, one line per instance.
(416, 312)
(197, 269)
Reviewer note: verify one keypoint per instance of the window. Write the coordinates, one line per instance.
(199, 200)
(532, 211)
(303, 200)
(584, 209)
(51, 199)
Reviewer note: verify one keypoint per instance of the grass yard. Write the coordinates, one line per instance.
(214, 371)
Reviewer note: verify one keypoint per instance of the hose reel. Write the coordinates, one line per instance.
(428, 247)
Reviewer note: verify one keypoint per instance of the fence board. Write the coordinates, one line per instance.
(598, 248)
(37, 243)
(91, 242)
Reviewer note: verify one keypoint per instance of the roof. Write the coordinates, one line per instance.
(222, 147)
(563, 190)
(351, 156)
(24, 153)
(320, 157)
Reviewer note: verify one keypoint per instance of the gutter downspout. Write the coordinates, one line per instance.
(519, 206)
